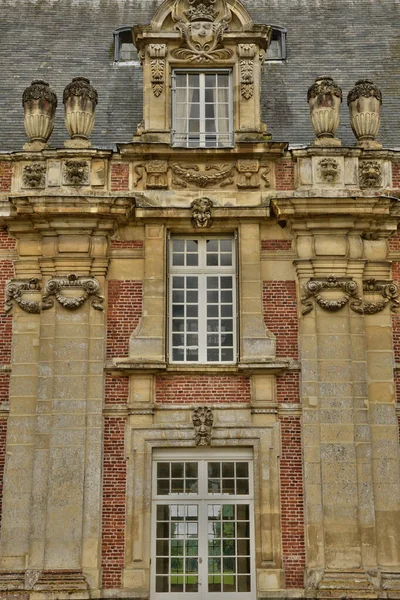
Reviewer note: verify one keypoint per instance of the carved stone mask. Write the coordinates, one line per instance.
(202, 32)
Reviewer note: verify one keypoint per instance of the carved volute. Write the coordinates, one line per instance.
(214, 35)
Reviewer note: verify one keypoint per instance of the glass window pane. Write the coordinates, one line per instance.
(163, 487)
(210, 80)
(162, 512)
(228, 469)
(226, 354)
(162, 547)
(161, 584)
(194, 79)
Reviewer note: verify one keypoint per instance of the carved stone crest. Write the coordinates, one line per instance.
(15, 290)
(89, 286)
(203, 420)
(247, 53)
(34, 175)
(248, 174)
(370, 173)
(157, 54)
(201, 24)
(329, 169)
(201, 212)
(76, 172)
(313, 287)
(193, 175)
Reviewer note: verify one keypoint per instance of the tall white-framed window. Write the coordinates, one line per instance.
(202, 525)
(202, 108)
(202, 299)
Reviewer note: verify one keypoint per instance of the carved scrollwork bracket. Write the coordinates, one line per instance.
(387, 289)
(157, 54)
(89, 286)
(313, 287)
(203, 420)
(15, 290)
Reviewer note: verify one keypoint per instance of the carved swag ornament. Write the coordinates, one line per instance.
(76, 172)
(387, 289)
(15, 290)
(191, 174)
(201, 212)
(201, 24)
(34, 175)
(203, 420)
(89, 286)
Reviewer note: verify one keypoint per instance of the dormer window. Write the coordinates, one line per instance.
(124, 50)
(277, 47)
(202, 108)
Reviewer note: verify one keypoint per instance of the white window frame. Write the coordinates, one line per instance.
(202, 271)
(203, 142)
(282, 33)
(203, 499)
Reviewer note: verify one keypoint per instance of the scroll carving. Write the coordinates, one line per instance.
(246, 53)
(201, 212)
(76, 172)
(157, 54)
(34, 175)
(201, 26)
(313, 288)
(15, 290)
(329, 169)
(192, 174)
(370, 173)
(387, 289)
(203, 420)
(89, 285)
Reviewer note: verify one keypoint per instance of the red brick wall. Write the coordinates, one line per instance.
(202, 388)
(284, 175)
(128, 244)
(396, 174)
(125, 299)
(6, 241)
(6, 169)
(116, 389)
(3, 438)
(114, 502)
(396, 317)
(280, 316)
(287, 387)
(120, 176)
(276, 244)
(292, 505)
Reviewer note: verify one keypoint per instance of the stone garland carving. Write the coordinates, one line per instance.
(203, 420)
(246, 53)
(16, 288)
(387, 289)
(192, 174)
(248, 174)
(157, 54)
(76, 172)
(365, 88)
(89, 285)
(329, 169)
(202, 28)
(34, 175)
(370, 173)
(201, 212)
(313, 287)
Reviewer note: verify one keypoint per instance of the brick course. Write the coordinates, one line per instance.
(128, 244)
(280, 316)
(287, 387)
(6, 273)
(116, 389)
(396, 175)
(276, 245)
(120, 176)
(114, 503)
(6, 241)
(202, 388)
(125, 299)
(284, 175)
(292, 502)
(6, 169)
(3, 438)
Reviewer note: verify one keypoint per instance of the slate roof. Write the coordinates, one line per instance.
(56, 40)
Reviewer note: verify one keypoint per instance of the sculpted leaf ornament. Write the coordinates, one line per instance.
(89, 285)
(313, 288)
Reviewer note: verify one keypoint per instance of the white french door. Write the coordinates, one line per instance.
(202, 526)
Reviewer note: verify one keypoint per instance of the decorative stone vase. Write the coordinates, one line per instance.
(80, 100)
(39, 102)
(365, 101)
(324, 98)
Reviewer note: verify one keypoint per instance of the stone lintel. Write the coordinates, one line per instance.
(260, 150)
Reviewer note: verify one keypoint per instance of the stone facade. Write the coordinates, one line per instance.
(94, 390)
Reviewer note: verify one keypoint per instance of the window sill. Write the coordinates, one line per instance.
(129, 366)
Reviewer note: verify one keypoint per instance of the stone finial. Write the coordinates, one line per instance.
(203, 420)
(39, 102)
(324, 98)
(80, 100)
(365, 101)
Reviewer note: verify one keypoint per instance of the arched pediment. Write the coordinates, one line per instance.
(171, 12)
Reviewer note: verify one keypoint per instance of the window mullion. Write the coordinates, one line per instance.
(202, 124)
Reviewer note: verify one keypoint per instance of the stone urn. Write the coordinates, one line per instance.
(324, 98)
(39, 102)
(365, 101)
(80, 100)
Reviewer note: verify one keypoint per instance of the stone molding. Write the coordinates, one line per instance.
(89, 285)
